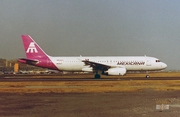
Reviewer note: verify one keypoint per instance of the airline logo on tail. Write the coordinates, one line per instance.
(32, 48)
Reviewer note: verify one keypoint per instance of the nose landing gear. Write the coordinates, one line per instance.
(147, 76)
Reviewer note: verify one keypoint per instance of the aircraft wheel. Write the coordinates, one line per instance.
(97, 76)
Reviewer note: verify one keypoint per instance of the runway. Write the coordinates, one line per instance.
(49, 78)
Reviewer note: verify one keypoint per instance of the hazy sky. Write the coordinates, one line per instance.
(93, 28)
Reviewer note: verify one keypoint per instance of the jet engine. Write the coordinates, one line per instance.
(116, 71)
(87, 69)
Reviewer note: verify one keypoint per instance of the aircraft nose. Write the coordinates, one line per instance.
(164, 65)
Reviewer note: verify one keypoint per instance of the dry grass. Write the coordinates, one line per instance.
(93, 86)
(88, 86)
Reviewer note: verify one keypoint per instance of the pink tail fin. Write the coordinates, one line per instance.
(32, 49)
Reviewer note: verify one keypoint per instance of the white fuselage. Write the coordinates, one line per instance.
(129, 62)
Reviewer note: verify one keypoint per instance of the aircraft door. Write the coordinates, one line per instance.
(148, 61)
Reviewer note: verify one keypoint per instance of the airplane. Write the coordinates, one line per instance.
(108, 65)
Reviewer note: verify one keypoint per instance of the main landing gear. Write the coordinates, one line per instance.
(97, 75)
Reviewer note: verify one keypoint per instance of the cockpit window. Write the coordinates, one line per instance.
(157, 60)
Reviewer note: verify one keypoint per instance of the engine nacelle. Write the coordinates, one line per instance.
(88, 69)
(116, 71)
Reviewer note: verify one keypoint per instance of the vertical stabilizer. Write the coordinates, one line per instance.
(32, 49)
(35, 55)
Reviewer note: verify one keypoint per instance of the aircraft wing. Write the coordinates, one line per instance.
(100, 66)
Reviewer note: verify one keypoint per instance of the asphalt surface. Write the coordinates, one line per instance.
(27, 78)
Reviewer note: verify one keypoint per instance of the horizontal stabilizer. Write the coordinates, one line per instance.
(28, 61)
